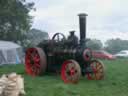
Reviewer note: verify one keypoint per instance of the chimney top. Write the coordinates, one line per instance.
(82, 14)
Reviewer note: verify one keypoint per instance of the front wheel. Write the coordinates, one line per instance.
(96, 72)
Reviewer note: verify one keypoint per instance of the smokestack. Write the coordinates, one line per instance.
(82, 25)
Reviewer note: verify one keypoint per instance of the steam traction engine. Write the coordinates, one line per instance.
(61, 56)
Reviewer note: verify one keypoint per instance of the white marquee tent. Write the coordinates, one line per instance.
(10, 53)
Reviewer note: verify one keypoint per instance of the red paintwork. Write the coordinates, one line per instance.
(32, 62)
(103, 55)
(96, 67)
(66, 74)
(87, 56)
(63, 71)
(90, 75)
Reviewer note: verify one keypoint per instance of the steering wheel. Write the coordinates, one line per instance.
(58, 37)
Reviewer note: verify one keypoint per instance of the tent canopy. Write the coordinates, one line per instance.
(10, 53)
(8, 45)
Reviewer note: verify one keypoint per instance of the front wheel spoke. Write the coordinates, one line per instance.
(97, 64)
(99, 67)
(100, 70)
(93, 68)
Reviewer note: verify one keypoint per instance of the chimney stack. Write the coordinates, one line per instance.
(82, 25)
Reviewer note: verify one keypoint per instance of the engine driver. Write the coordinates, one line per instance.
(73, 39)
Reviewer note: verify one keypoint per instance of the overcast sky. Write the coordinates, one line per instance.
(106, 18)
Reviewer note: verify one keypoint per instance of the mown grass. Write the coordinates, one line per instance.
(115, 82)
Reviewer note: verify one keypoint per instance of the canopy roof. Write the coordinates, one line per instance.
(8, 45)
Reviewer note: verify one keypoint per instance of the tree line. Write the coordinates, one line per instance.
(112, 45)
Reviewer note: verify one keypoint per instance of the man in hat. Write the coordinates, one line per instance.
(73, 39)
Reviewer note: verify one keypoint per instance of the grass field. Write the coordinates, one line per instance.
(114, 84)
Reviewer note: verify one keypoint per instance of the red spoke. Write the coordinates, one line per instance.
(97, 71)
(35, 61)
(70, 72)
(37, 65)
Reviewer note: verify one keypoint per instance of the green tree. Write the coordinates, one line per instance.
(15, 20)
(116, 45)
(36, 36)
(94, 44)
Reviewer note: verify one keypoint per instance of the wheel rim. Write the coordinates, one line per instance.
(35, 61)
(87, 54)
(70, 72)
(97, 70)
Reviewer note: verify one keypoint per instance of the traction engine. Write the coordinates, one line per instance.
(60, 55)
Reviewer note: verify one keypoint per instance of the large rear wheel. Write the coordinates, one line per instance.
(70, 71)
(35, 61)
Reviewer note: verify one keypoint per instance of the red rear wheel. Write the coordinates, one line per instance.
(97, 70)
(35, 61)
(70, 71)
